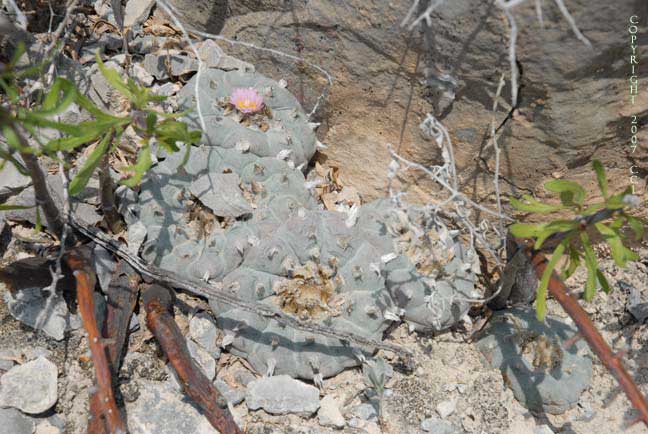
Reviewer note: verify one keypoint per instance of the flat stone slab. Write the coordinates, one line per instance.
(282, 395)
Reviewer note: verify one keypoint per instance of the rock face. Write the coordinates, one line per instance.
(282, 395)
(544, 377)
(31, 387)
(387, 78)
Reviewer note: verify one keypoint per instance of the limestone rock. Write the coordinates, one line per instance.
(282, 395)
(31, 387)
(329, 413)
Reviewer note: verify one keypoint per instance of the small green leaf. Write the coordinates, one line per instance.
(113, 78)
(39, 223)
(14, 141)
(185, 158)
(617, 223)
(616, 201)
(593, 208)
(600, 177)
(574, 262)
(532, 205)
(52, 104)
(5, 207)
(551, 228)
(83, 176)
(141, 167)
(541, 300)
(570, 191)
(7, 157)
(603, 281)
(18, 53)
(637, 225)
(620, 253)
(525, 230)
(12, 91)
(591, 262)
(70, 143)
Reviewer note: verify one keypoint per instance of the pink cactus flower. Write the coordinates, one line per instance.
(246, 100)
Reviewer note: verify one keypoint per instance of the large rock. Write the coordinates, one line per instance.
(31, 387)
(282, 395)
(387, 78)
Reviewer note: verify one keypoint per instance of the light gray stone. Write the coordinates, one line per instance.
(282, 395)
(104, 265)
(5, 365)
(11, 181)
(366, 411)
(31, 387)
(48, 313)
(137, 11)
(636, 304)
(329, 413)
(203, 358)
(203, 331)
(14, 422)
(134, 324)
(446, 408)
(233, 396)
(435, 425)
(161, 409)
(159, 65)
(46, 427)
(142, 75)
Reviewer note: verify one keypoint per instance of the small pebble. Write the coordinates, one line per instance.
(446, 408)
(435, 425)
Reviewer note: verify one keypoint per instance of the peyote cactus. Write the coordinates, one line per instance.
(239, 212)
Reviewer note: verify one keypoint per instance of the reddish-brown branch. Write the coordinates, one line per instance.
(157, 302)
(105, 407)
(122, 296)
(588, 331)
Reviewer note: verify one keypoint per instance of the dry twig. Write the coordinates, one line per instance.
(157, 302)
(105, 406)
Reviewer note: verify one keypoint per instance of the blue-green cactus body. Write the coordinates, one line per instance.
(239, 213)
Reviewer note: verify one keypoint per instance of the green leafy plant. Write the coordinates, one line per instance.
(19, 120)
(569, 237)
